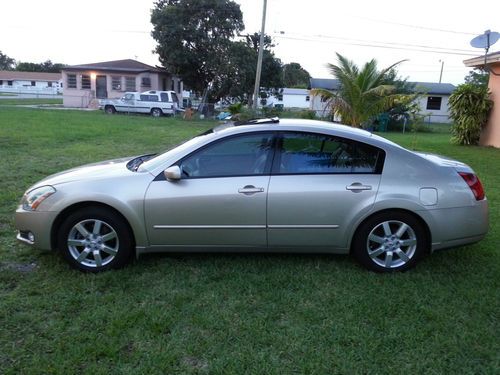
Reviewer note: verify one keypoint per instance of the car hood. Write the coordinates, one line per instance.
(104, 169)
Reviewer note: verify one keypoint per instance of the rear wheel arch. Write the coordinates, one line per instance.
(425, 226)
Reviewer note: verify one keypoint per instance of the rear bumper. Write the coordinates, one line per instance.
(38, 224)
(458, 226)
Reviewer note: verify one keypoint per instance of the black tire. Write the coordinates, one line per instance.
(156, 112)
(92, 247)
(389, 242)
(109, 109)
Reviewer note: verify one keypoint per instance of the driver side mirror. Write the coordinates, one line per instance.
(173, 173)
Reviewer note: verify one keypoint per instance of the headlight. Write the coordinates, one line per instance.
(33, 198)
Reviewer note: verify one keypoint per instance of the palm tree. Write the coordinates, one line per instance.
(363, 93)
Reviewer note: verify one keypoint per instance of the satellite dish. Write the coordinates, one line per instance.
(485, 40)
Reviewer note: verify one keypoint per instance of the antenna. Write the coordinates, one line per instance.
(485, 41)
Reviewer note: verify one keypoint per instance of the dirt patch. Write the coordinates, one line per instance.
(195, 363)
(19, 267)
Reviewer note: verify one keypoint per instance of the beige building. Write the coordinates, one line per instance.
(491, 134)
(111, 79)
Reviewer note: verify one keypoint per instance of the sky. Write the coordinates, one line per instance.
(427, 33)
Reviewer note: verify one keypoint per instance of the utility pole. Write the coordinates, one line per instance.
(259, 60)
(441, 74)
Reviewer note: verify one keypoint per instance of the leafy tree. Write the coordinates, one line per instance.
(294, 75)
(194, 37)
(6, 63)
(237, 79)
(477, 77)
(46, 67)
(470, 106)
(363, 93)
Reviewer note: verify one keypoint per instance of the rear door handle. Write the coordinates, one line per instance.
(250, 189)
(357, 187)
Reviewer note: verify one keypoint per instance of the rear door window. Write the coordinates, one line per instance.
(311, 153)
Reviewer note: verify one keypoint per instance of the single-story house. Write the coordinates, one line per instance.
(110, 79)
(13, 81)
(490, 136)
(433, 103)
(290, 98)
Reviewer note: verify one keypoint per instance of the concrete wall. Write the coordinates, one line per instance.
(491, 133)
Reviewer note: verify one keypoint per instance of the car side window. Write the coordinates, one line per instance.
(309, 153)
(244, 155)
(164, 97)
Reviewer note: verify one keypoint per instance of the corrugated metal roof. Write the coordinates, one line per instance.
(434, 88)
(14, 75)
(427, 87)
(291, 91)
(324, 83)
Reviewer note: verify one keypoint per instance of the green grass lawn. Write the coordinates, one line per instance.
(232, 313)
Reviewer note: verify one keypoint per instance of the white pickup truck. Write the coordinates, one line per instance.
(156, 103)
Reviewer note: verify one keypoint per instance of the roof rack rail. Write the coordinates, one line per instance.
(258, 121)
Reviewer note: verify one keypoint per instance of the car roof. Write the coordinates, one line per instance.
(303, 125)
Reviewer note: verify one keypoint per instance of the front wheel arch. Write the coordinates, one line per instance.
(77, 207)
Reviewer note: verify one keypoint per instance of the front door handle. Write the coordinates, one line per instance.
(250, 189)
(357, 187)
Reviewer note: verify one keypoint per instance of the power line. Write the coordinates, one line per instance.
(368, 44)
(413, 26)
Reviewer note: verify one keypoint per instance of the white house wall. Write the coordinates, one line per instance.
(441, 115)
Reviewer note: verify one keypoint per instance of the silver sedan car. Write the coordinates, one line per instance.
(262, 186)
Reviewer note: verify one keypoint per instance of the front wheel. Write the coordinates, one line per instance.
(390, 241)
(95, 239)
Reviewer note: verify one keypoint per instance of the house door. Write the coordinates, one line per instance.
(101, 89)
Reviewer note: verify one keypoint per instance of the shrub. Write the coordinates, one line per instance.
(470, 106)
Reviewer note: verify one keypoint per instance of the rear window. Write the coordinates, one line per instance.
(149, 98)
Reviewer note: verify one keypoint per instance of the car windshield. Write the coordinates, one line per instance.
(160, 159)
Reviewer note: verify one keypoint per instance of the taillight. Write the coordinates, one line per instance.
(475, 185)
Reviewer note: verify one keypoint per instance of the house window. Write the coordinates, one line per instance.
(1, 82)
(130, 83)
(279, 97)
(434, 103)
(71, 81)
(9, 83)
(146, 82)
(308, 98)
(33, 83)
(116, 83)
(49, 84)
(85, 82)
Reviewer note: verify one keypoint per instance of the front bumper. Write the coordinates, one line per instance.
(37, 223)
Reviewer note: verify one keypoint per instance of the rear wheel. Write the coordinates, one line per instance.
(95, 239)
(390, 241)
(109, 109)
(156, 112)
